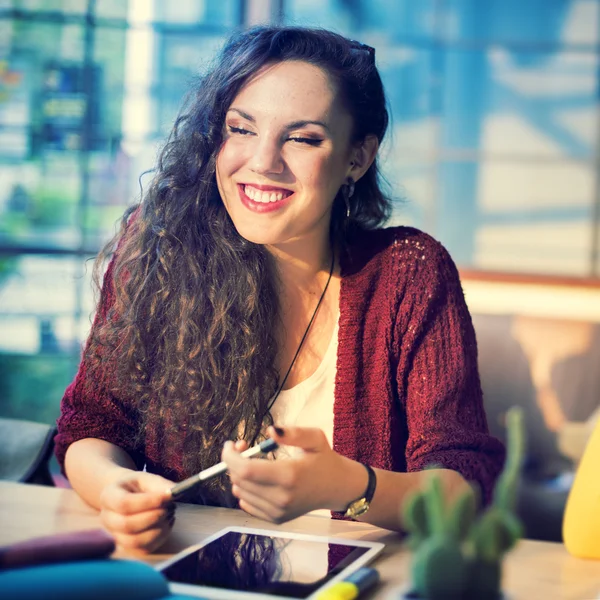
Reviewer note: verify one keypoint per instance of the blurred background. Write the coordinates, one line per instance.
(493, 149)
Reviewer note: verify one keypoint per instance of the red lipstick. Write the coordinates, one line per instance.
(264, 207)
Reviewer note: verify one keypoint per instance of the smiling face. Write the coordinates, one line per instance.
(286, 153)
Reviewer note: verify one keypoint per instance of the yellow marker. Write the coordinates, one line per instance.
(581, 523)
(352, 586)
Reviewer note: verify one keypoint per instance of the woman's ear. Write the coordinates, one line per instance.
(363, 156)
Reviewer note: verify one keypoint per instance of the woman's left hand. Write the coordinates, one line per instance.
(280, 490)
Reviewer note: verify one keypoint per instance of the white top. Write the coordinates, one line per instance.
(310, 403)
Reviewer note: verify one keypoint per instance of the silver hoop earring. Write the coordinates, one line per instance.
(347, 193)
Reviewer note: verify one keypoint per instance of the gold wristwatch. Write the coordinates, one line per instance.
(361, 505)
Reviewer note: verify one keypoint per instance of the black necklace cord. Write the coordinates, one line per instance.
(305, 332)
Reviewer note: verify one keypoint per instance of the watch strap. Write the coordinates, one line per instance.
(371, 485)
(361, 505)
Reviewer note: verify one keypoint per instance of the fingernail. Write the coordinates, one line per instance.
(279, 431)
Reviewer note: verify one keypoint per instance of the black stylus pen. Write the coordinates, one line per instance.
(183, 486)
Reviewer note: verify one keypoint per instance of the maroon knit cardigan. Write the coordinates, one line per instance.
(407, 390)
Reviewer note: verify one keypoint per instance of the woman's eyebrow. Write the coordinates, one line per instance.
(243, 114)
(295, 125)
(300, 124)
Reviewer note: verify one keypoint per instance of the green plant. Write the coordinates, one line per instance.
(458, 554)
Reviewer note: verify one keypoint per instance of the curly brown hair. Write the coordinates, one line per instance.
(190, 337)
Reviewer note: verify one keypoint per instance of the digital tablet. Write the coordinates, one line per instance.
(240, 563)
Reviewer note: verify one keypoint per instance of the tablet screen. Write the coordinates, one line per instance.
(290, 567)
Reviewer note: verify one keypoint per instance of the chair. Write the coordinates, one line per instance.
(25, 451)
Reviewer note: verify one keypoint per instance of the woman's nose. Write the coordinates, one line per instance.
(267, 157)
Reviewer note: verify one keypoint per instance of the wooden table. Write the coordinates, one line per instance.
(534, 570)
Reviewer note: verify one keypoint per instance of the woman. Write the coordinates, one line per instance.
(253, 286)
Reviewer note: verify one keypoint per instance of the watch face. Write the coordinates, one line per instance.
(357, 508)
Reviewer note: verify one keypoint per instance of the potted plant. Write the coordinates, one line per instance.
(457, 553)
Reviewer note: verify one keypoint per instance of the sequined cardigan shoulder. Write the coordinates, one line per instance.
(407, 390)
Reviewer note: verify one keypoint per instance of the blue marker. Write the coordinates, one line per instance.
(351, 587)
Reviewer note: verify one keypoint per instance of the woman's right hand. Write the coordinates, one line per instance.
(138, 511)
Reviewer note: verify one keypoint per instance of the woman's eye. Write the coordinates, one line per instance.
(305, 140)
(238, 130)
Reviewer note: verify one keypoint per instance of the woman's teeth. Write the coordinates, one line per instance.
(260, 196)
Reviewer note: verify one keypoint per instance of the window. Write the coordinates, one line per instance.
(87, 91)
(494, 136)
(493, 144)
